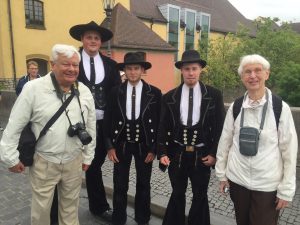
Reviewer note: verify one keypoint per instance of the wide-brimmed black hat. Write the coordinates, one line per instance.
(190, 56)
(131, 58)
(78, 30)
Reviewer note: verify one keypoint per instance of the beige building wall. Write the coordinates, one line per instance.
(159, 28)
(5, 51)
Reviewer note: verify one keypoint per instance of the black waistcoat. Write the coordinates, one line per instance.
(133, 132)
(98, 90)
(188, 136)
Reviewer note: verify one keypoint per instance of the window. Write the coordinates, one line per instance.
(190, 30)
(173, 30)
(205, 27)
(34, 13)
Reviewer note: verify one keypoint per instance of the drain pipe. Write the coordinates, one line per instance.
(12, 42)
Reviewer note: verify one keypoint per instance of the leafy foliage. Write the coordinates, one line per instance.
(279, 45)
(289, 83)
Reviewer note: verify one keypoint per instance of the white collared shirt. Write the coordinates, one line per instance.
(99, 67)
(100, 74)
(184, 103)
(249, 103)
(138, 96)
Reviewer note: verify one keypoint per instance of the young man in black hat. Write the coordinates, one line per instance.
(191, 123)
(131, 122)
(99, 73)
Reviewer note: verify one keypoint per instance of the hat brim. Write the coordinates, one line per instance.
(200, 61)
(78, 30)
(145, 65)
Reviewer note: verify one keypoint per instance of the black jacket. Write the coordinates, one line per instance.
(212, 114)
(115, 115)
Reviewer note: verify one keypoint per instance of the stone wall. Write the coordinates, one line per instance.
(7, 84)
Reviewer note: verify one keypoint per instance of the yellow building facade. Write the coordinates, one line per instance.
(36, 42)
(21, 42)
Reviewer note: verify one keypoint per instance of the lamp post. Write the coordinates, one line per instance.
(108, 6)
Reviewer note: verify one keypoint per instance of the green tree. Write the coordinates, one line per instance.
(279, 45)
(221, 69)
(289, 83)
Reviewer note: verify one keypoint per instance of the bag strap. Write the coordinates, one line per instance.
(263, 113)
(237, 105)
(277, 108)
(56, 115)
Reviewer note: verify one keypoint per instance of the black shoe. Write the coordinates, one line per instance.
(107, 215)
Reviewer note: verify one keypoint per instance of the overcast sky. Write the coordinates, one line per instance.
(285, 10)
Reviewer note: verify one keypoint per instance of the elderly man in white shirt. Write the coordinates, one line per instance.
(261, 183)
(59, 158)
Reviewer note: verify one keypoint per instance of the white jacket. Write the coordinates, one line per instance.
(37, 103)
(274, 166)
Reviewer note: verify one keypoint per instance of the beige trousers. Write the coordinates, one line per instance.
(44, 175)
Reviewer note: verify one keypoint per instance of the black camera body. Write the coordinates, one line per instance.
(79, 130)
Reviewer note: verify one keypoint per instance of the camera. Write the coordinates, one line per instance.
(79, 130)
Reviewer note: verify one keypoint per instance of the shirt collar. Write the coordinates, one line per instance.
(85, 55)
(138, 86)
(186, 88)
(249, 103)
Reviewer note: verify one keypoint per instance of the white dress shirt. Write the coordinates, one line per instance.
(138, 96)
(184, 103)
(100, 74)
(99, 67)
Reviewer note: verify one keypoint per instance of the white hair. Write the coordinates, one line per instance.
(253, 59)
(65, 50)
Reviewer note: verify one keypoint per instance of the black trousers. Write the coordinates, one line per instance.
(199, 175)
(94, 182)
(121, 179)
(253, 207)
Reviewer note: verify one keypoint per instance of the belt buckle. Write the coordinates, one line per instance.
(189, 148)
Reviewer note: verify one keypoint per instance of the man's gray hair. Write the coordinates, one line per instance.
(253, 59)
(65, 50)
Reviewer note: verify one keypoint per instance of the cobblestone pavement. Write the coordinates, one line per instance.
(15, 199)
(221, 207)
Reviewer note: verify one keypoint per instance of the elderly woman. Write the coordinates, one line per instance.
(256, 157)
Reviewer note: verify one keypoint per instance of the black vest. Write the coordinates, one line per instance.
(98, 90)
(133, 131)
(189, 136)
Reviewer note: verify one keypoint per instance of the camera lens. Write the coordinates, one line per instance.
(84, 137)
